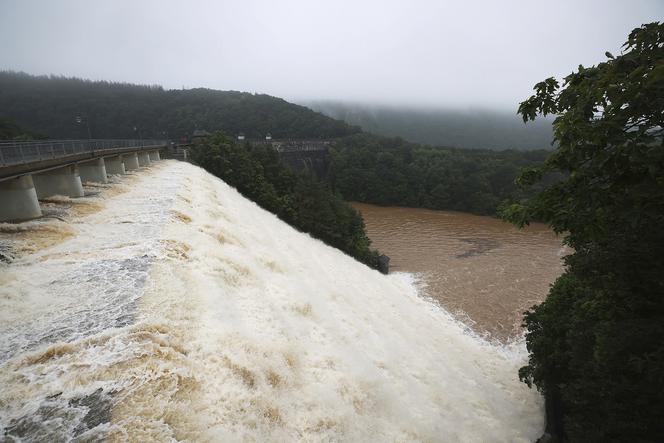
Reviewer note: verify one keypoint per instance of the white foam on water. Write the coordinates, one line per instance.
(236, 327)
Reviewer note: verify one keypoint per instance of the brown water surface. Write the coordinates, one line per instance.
(482, 269)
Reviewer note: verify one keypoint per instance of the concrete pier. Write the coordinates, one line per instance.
(154, 156)
(61, 181)
(143, 158)
(130, 161)
(18, 199)
(93, 171)
(114, 165)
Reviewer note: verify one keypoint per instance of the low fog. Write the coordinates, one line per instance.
(440, 54)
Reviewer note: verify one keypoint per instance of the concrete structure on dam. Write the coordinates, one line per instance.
(34, 170)
(60, 181)
(93, 171)
(312, 156)
(130, 161)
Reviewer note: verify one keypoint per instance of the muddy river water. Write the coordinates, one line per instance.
(485, 271)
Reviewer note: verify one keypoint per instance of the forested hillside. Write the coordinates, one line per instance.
(50, 105)
(393, 172)
(455, 128)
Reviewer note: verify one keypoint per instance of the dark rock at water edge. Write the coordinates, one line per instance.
(384, 264)
(546, 438)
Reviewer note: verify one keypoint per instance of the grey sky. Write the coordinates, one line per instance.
(465, 53)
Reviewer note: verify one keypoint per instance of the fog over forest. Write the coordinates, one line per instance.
(468, 129)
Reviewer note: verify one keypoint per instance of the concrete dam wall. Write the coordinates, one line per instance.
(316, 162)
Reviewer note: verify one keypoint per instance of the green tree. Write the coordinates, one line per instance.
(597, 342)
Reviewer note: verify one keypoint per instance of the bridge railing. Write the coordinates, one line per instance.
(20, 152)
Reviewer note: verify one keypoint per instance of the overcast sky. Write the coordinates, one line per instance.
(465, 53)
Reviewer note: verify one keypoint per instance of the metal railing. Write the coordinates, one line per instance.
(22, 152)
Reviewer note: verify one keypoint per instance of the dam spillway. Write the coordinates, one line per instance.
(172, 308)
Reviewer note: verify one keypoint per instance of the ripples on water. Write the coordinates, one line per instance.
(482, 269)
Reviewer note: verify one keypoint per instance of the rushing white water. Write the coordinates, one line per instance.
(182, 311)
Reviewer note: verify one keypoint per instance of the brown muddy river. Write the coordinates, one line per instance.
(483, 270)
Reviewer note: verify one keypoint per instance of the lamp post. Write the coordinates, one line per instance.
(140, 138)
(79, 119)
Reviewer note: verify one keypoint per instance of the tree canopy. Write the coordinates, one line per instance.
(597, 342)
(390, 171)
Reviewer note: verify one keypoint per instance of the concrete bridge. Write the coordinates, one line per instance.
(37, 169)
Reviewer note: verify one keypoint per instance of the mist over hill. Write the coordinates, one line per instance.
(472, 129)
(50, 105)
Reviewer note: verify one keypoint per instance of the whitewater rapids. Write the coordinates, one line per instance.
(181, 311)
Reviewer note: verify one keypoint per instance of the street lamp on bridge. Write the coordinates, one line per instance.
(80, 119)
(138, 131)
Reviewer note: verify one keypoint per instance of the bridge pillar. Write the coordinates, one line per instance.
(18, 199)
(61, 181)
(93, 171)
(130, 161)
(114, 165)
(143, 158)
(154, 156)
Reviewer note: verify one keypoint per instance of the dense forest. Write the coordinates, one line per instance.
(597, 342)
(299, 199)
(467, 129)
(390, 171)
(50, 105)
(11, 131)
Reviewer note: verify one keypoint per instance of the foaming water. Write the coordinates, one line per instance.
(183, 311)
